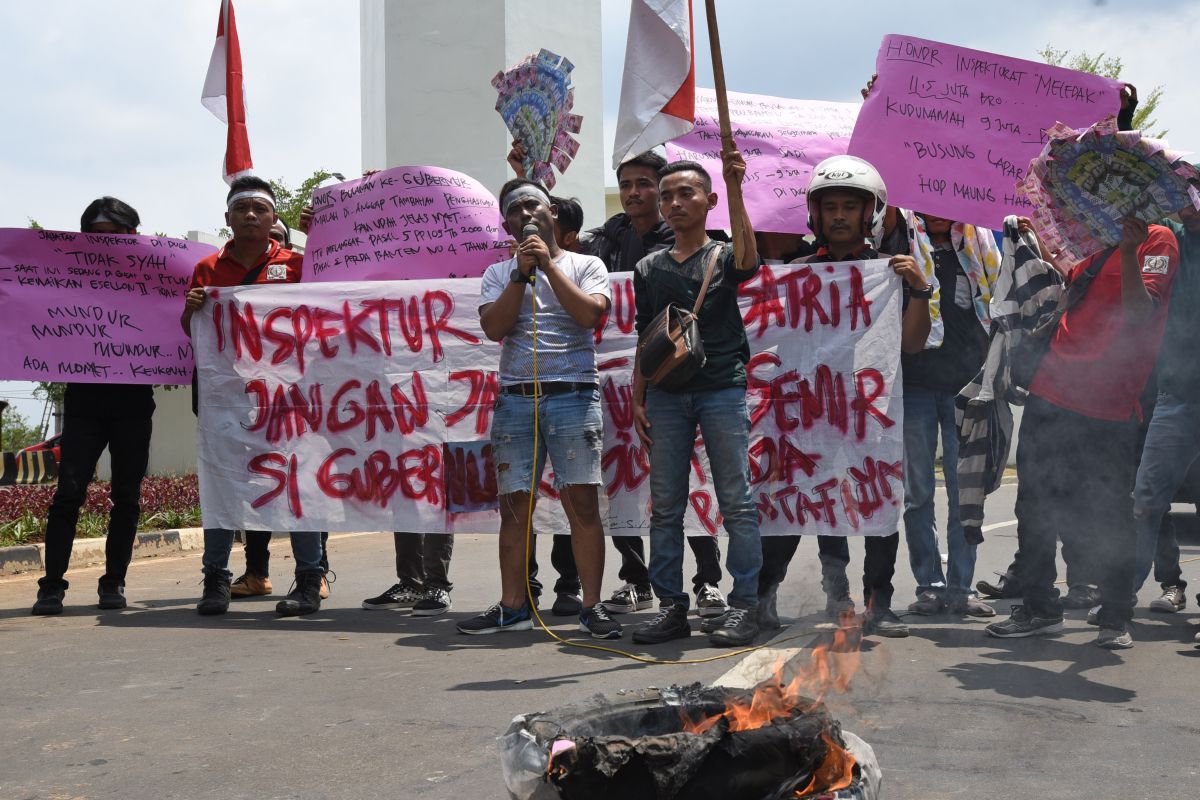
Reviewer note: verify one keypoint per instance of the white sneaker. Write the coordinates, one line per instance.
(710, 602)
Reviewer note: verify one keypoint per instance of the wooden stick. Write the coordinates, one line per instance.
(737, 207)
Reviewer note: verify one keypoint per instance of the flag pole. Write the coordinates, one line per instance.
(737, 207)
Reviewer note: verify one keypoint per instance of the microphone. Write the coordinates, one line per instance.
(526, 232)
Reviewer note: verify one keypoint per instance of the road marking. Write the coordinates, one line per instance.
(995, 526)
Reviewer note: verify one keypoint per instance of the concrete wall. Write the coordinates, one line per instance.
(426, 92)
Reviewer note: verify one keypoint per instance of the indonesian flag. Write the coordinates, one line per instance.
(658, 89)
(224, 94)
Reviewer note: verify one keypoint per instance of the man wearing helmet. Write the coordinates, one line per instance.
(848, 211)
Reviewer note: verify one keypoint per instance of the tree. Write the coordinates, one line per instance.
(1108, 67)
(16, 431)
(289, 203)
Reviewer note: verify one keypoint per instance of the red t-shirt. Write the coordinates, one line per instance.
(220, 269)
(1098, 362)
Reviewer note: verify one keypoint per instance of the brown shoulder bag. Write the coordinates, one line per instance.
(670, 347)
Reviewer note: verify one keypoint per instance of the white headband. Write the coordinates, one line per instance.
(259, 193)
(524, 190)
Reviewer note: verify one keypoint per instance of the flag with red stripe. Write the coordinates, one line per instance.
(224, 94)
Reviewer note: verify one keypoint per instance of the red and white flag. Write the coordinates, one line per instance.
(658, 89)
(224, 94)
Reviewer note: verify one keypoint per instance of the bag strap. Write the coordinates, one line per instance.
(251, 276)
(713, 255)
(1077, 288)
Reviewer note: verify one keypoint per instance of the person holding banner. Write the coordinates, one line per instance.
(96, 416)
(714, 399)
(251, 257)
(847, 206)
(543, 304)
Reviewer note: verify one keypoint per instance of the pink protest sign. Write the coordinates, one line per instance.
(953, 130)
(94, 307)
(405, 222)
(781, 140)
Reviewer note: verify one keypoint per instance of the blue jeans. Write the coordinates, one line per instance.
(570, 431)
(725, 425)
(925, 412)
(218, 542)
(1172, 442)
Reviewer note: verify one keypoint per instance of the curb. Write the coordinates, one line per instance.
(88, 552)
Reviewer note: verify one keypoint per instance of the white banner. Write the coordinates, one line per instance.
(366, 406)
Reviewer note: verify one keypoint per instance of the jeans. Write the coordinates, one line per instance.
(423, 559)
(570, 430)
(925, 413)
(258, 552)
(562, 558)
(725, 425)
(879, 566)
(633, 560)
(1076, 473)
(1172, 444)
(218, 543)
(83, 440)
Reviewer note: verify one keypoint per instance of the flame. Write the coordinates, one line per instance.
(835, 772)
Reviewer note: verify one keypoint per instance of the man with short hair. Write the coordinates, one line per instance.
(713, 400)
(251, 257)
(543, 305)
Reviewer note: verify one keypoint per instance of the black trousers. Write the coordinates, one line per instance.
(258, 552)
(423, 559)
(562, 558)
(1076, 472)
(879, 565)
(83, 440)
(633, 561)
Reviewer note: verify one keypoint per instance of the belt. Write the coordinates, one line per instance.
(547, 387)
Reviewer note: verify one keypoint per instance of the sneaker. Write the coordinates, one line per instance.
(629, 598)
(305, 596)
(711, 624)
(710, 602)
(669, 623)
(1005, 588)
(739, 628)
(498, 618)
(566, 605)
(50, 598)
(399, 596)
(1173, 599)
(884, 622)
(1022, 623)
(434, 602)
(599, 624)
(1081, 596)
(215, 599)
(250, 586)
(970, 606)
(1093, 615)
(928, 603)
(1114, 638)
(112, 596)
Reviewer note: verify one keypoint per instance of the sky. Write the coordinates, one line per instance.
(104, 98)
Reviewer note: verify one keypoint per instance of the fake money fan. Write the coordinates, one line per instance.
(535, 102)
(1085, 181)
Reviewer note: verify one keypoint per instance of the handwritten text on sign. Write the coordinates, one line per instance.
(406, 222)
(953, 130)
(367, 406)
(781, 140)
(94, 307)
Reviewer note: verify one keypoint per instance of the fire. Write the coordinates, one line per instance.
(835, 772)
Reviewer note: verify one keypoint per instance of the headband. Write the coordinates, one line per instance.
(524, 190)
(259, 193)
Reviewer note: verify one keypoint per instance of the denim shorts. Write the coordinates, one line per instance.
(570, 431)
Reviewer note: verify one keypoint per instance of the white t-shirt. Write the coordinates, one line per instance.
(566, 351)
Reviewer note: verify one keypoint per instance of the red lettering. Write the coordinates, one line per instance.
(484, 388)
(335, 423)
(778, 461)
(702, 504)
(622, 311)
(858, 303)
(322, 320)
(863, 403)
(377, 411)
(218, 317)
(262, 465)
(630, 463)
(439, 325)
(470, 480)
(243, 328)
(353, 323)
(262, 402)
(410, 414)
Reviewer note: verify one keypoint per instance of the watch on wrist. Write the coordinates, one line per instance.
(516, 276)
(921, 294)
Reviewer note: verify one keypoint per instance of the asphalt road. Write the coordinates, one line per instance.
(157, 702)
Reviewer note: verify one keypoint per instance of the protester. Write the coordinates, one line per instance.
(847, 205)
(966, 262)
(621, 242)
(1076, 450)
(95, 416)
(713, 399)
(543, 304)
(251, 257)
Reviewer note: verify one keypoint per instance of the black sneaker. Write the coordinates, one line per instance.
(1114, 638)
(1005, 588)
(399, 596)
(710, 624)
(305, 596)
(738, 630)
(629, 598)
(710, 602)
(435, 601)
(884, 622)
(1081, 596)
(669, 623)
(498, 618)
(599, 624)
(1022, 623)
(215, 599)
(50, 598)
(566, 605)
(927, 604)
(112, 596)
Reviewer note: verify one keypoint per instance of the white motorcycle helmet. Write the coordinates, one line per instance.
(853, 173)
